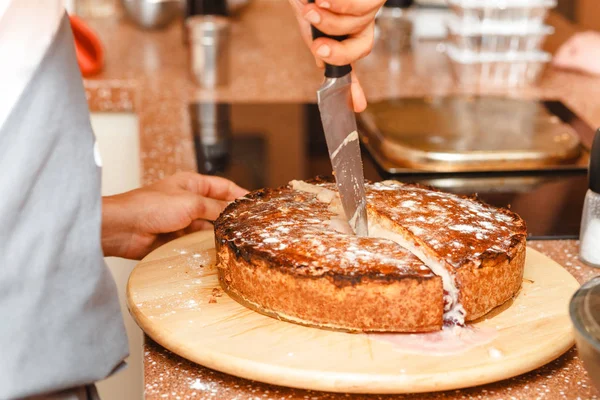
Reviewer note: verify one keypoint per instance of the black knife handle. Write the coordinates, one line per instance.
(331, 71)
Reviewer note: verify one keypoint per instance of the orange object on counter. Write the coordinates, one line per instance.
(88, 48)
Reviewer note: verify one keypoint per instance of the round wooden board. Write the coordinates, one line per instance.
(170, 295)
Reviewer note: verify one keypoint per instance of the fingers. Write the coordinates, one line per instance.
(198, 225)
(205, 208)
(566, 52)
(358, 95)
(579, 54)
(336, 24)
(305, 30)
(350, 7)
(298, 7)
(213, 187)
(346, 52)
(342, 18)
(338, 17)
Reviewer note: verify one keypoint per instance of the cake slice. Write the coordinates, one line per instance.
(477, 249)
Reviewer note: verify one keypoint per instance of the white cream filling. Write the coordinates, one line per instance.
(307, 187)
(454, 312)
(352, 221)
(340, 225)
(350, 138)
(326, 196)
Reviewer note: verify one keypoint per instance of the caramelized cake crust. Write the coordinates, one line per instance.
(289, 253)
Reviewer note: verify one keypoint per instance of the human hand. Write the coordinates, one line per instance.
(136, 222)
(355, 18)
(581, 52)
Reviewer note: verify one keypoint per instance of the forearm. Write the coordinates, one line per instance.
(116, 232)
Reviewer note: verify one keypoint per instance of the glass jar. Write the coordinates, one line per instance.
(589, 248)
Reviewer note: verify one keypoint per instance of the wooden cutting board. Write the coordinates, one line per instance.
(174, 296)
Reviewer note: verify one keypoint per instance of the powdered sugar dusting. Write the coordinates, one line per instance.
(303, 229)
(460, 229)
(463, 228)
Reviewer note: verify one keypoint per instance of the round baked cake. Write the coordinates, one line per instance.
(431, 258)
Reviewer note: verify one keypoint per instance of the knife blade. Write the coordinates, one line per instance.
(339, 124)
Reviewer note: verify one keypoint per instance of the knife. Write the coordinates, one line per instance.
(339, 124)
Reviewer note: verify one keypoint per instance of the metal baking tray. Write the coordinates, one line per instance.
(466, 134)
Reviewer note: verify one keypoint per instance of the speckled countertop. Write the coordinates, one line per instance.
(146, 72)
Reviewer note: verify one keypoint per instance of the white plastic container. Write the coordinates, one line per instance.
(481, 39)
(502, 13)
(497, 69)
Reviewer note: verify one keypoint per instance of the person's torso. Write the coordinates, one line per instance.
(61, 321)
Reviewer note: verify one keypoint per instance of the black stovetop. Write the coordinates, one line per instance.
(267, 145)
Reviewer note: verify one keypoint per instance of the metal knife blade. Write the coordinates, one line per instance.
(339, 124)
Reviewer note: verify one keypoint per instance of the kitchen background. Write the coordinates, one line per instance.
(152, 117)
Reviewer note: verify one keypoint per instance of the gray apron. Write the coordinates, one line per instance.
(61, 327)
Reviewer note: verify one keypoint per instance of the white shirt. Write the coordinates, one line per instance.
(26, 30)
